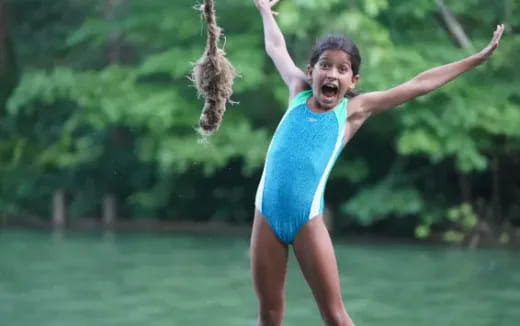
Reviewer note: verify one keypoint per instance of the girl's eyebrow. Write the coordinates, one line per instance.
(324, 57)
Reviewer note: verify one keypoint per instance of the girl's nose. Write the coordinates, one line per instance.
(332, 73)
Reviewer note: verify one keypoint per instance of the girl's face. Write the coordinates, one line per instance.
(331, 77)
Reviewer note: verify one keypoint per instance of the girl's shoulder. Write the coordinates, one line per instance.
(300, 98)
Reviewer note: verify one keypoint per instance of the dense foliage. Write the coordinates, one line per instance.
(95, 100)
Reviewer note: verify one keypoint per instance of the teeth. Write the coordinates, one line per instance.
(331, 85)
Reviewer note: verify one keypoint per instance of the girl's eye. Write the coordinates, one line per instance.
(324, 65)
(343, 69)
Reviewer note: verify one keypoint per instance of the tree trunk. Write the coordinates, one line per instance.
(115, 41)
(114, 56)
(454, 27)
(495, 186)
(109, 209)
(59, 209)
(465, 188)
(8, 75)
(4, 57)
(508, 14)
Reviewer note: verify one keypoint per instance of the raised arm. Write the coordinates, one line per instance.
(427, 81)
(276, 48)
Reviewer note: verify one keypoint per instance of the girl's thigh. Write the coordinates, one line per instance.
(315, 254)
(268, 264)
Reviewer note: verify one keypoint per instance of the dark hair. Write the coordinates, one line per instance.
(338, 42)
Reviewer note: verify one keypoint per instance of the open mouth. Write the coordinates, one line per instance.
(329, 90)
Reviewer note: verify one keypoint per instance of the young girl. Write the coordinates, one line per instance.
(319, 122)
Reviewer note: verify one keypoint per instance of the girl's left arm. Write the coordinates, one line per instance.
(427, 81)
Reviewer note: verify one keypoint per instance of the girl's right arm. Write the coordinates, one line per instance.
(276, 48)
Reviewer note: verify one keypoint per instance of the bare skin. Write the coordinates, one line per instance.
(269, 266)
(315, 254)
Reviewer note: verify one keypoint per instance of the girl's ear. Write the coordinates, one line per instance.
(355, 80)
(309, 72)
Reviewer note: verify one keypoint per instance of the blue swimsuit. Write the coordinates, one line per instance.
(302, 152)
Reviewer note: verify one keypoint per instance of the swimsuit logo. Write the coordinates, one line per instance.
(312, 119)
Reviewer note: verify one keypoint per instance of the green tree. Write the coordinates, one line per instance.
(106, 108)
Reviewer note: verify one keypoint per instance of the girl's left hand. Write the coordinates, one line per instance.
(267, 5)
(486, 52)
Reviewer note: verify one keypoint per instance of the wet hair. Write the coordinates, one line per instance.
(338, 42)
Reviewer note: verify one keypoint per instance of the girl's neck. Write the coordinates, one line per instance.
(314, 106)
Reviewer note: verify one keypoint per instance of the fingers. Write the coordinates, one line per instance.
(273, 3)
(493, 45)
(498, 33)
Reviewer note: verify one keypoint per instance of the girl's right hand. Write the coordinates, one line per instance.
(486, 52)
(266, 5)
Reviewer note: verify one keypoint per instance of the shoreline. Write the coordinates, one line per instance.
(223, 229)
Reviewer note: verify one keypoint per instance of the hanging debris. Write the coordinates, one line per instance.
(212, 75)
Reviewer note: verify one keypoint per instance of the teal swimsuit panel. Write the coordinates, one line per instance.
(300, 157)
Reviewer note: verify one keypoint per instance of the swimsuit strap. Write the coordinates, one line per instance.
(300, 98)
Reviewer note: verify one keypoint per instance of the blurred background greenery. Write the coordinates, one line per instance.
(97, 121)
(98, 116)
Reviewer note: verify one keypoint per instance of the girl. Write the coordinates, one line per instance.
(320, 120)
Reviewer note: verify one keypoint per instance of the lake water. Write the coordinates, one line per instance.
(109, 279)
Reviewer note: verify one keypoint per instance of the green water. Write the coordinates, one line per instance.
(168, 279)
